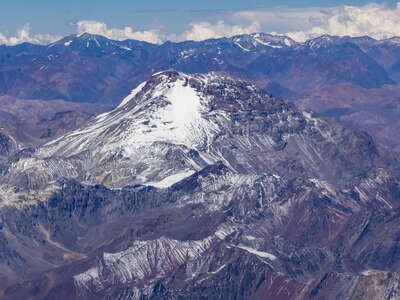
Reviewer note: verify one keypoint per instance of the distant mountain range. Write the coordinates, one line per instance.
(92, 68)
(353, 80)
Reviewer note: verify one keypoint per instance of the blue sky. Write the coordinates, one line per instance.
(174, 19)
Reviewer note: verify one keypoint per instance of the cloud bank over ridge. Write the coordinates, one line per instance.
(376, 20)
(24, 35)
(95, 27)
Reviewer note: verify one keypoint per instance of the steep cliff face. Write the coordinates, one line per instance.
(201, 186)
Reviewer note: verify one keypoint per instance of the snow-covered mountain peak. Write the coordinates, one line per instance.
(171, 108)
(163, 131)
(184, 96)
(265, 38)
(321, 41)
(174, 125)
(167, 108)
(85, 41)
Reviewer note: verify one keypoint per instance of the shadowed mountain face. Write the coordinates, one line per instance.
(93, 69)
(201, 187)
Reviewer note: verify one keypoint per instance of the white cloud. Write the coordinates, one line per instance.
(376, 20)
(282, 18)
(204, 30)
(95, 27)
(198, 31)
(24, 35)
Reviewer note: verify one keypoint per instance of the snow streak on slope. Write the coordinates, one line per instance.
(170, 180)
(258, 253)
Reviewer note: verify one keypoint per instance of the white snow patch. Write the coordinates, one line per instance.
(170, 180)
(269, 44)
(187, 53)
(288, 42)
(223, 231)
(370, 272)
(218, 61)
(218, 270)
(258, 253)
(82, 280)
(323, 185)
(158, 73)
(241, 47)
(67, 43)
(125, 48)
(185, 106)
(308, 116)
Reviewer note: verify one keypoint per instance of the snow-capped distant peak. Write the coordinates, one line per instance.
(249, 42)
(321, 41)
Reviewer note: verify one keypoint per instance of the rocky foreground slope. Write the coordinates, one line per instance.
(201, 187)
